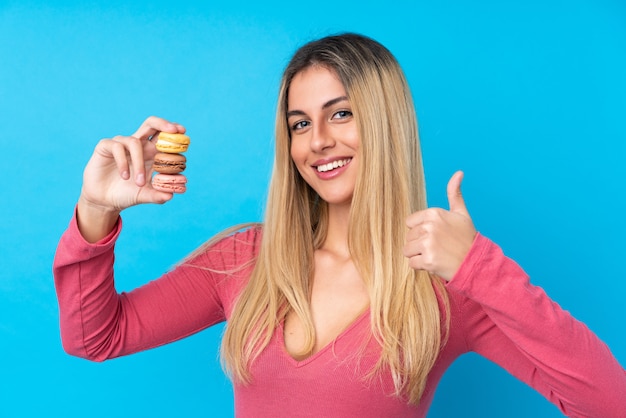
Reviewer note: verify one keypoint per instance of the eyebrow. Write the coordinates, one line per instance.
(324, 106)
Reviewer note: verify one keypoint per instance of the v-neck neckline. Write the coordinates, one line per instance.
(300, 363)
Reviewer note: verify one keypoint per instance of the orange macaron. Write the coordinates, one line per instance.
(172, 143)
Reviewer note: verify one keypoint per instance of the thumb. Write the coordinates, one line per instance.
(455, 197)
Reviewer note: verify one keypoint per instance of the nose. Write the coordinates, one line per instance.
(321, 138)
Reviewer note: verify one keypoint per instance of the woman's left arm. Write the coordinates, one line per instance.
(516, 325)
(512, 322)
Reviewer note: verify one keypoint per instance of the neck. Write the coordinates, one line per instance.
(337, 236)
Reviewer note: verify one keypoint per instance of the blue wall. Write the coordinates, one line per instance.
(528, 97)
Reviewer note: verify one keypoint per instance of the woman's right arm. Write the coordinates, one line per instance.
(96, 322)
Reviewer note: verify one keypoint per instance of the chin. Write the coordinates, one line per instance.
(335, 200)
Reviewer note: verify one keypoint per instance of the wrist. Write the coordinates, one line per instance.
(95, 221)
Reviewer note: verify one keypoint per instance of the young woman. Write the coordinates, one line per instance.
(352, 298)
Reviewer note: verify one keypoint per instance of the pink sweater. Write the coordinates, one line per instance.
(495, 312)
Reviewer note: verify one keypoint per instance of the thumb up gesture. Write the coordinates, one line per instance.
(438, 240)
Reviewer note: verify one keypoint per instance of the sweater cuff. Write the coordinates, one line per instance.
(79, 243)
(474, 258)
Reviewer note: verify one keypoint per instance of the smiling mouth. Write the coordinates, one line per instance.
(331, 166)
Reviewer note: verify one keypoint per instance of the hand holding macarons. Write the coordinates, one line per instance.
(117, 176)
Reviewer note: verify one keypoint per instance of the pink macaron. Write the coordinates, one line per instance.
(169, 183)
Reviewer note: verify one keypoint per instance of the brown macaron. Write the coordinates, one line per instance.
(169, 163)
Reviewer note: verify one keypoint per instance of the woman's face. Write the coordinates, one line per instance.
(324, 135)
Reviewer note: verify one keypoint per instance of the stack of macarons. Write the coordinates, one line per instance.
(169, 163)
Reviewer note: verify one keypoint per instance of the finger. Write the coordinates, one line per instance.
(149, 195)
(412, 248)
(422, 217)
(417, 218)
(135, 149)
(455, 197)
(118, 150)
(154, 124)
(414, 233)
(421, 231)
(124, 148)
(420, 262)
(415, 262)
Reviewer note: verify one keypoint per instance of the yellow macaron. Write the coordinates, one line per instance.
(172, 143)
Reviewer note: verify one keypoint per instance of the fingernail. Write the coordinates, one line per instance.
(125, 175)
(141, 178)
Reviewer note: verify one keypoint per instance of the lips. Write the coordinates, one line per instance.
(329, 169)
(326, 167)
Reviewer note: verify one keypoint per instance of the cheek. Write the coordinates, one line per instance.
(297, 152)
(296, 158)
(298, 162)
(352, 138)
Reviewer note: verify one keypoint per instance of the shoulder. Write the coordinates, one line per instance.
(225, 262)
(231, 248)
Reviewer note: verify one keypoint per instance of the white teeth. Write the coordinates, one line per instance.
(335, 164)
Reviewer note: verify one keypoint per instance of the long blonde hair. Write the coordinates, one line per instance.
(406, 319)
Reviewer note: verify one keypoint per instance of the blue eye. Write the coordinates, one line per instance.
(301, 124)
(342, 114)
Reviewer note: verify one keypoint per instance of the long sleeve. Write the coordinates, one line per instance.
(98, 323)
(515, 324)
